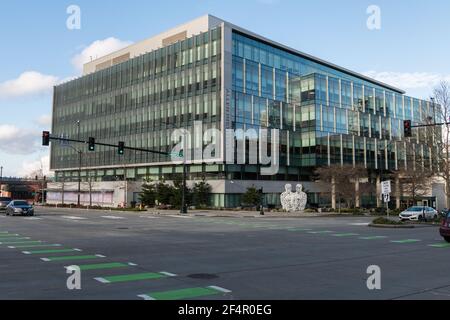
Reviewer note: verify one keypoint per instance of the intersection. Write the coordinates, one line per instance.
(129, 255)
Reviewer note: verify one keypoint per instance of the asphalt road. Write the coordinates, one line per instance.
(138, 255)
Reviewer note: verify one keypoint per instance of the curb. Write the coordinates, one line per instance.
(391, 226)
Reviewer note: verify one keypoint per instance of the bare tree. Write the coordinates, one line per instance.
(441, 108)
(345, 182)
(414, 183)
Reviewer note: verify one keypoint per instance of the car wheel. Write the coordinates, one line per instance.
(447, 239)
(435, 216)
(420, 218)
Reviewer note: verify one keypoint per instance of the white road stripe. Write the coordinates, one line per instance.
(359, 224)
(112, 217)
(100, 256)
(32, 218)
(219, 289)
(73, 218)
(168, 274)
(102, 280)
(45, 259)
(145, 297)
(176, 216)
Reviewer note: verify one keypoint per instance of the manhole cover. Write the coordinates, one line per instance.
(203, 276)
(123, 228)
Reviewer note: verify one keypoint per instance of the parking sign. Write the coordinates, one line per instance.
(386, 187)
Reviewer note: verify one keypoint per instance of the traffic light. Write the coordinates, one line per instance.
(45, 138)
(91, 144)
(121, 147)
(407, 128)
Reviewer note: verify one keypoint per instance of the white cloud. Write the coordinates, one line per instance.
(98, 49)
(409, 80)
(32, 168)
(15, 140)
(28, 83)
(44, 120)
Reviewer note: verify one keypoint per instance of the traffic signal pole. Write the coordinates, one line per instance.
(46, 137)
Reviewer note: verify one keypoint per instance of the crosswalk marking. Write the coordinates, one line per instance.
(186, 293)
(406, 241)
(113, 217)
(73, 217)
(179, 216)
(373, 237)
(132, 277)
(440, 245)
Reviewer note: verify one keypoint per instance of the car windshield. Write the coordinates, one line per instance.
(20, 203)
(415, 209)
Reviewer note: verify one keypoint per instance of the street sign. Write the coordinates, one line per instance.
(386, 187)
(386, 197)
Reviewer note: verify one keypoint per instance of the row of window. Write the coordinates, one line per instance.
(268, 82)
(174, 58)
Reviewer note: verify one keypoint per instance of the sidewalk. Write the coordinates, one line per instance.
(249, 214)
(212, 213)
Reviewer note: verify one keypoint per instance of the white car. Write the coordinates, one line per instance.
(418, 213)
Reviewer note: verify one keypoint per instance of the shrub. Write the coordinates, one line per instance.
(383, 220)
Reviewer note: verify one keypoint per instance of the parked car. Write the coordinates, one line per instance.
(4, 201)
(418, 213)
(444, 230)
(20, 207)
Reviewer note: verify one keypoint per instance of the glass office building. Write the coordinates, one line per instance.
(227, 77)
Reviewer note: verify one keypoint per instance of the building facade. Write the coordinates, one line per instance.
(213, 73)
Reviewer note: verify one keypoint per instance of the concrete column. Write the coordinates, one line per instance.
(333, 193)
(397, 192)
(378, 192)
(357, 200)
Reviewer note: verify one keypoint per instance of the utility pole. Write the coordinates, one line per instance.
(1, 172)
(183, 209)
(79, 165)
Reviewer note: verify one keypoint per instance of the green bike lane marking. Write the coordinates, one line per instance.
(440, 245)
(34, 246)
(405, 241)
(100, 266)
(14, 238)
(320, 232)
(22, 242)
(187, 293)
(135, 277)
(69, 258)
(373, 237)
(2, 232)
(50, 251)
(5, 235)
(345, 234)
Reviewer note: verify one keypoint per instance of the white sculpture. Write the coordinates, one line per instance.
(293, 201)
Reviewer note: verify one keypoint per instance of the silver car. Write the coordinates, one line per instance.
(418, 213)
(19, 207)
(4, 201)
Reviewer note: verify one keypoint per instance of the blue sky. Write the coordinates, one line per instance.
(410, 50)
